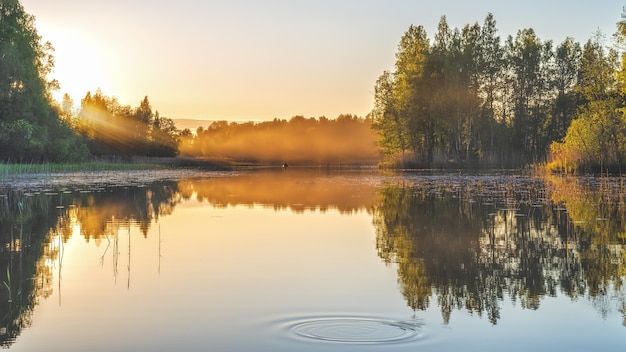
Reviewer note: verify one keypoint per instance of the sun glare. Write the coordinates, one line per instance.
(79, 65)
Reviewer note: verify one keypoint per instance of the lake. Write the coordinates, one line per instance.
(310, 260)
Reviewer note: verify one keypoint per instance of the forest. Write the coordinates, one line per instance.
(465, 98)
(347, 139)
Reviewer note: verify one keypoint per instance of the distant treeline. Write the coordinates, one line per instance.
(34, 128)
(345, 139)
(468, 98)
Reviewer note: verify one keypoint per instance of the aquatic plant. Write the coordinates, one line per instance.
(7, 284)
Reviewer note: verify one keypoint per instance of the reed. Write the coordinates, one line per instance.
(44, 168)
(7, 284)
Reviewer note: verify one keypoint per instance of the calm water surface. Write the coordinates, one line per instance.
(294, 260)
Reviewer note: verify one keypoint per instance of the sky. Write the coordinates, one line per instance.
(255, 60)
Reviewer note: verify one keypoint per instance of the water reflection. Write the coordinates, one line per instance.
(472, 242)
(35, 225)
(295, 190)
(460, 243)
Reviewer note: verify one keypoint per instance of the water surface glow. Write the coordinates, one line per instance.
(296, 260)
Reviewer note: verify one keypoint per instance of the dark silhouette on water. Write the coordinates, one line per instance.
(285, 166)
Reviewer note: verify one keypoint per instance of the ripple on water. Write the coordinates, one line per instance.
(357, 330)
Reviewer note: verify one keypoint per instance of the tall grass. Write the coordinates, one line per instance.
(15, 169)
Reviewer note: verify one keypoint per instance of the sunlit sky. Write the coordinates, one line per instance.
(258, 60)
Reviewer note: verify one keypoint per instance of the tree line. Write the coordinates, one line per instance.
(34, 128)
(467, 98)
(112, 129)
(596, 138)
(463, 99)
(345, 139)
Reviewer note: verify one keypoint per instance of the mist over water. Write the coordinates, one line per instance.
(347, 139)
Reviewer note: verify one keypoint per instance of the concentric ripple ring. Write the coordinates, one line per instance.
(357, 330)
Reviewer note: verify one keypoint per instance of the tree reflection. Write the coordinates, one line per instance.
(98, 212)
(296, 190)
(471, 242)
(459, 242)
(26, 221)
(34, 226)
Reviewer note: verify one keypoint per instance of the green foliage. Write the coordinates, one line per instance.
(466, 98)
(45, 168)
(392, 132)
(30, 128)
(112, 129)
(596, 139)
(529, 59)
